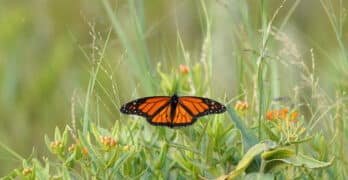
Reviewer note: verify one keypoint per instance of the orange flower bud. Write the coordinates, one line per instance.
(84, 151)
(284, 113)
(293, 116)
(184, 69)
(269, 115)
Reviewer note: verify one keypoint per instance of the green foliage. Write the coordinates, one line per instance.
(263, 137)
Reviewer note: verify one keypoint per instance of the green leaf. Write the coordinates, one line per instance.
(183, 163)
(162, 156)
(259, 176)
(305, 139)
(12, 174)
(39, 171)
(270, 133)
(249, 156)
(65, 173)
(249, 138)
(301, 160)
(121, 160)
(48, 142)
(277, 154)
(57, 134)
(65, 137)
(85, 141)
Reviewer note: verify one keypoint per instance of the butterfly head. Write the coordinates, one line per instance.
(175, 98)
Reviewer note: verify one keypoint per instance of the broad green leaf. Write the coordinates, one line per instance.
(249, 156)
(301, 160)
(275, 154)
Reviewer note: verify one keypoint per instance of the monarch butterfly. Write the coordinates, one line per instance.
(172, 111)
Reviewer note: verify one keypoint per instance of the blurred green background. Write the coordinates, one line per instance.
(47, 50)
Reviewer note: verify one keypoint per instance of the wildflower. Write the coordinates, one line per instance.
(241, 105)
(56, 146)
(293, 116)
(184, 69)
(84, 151)
(284, 114)
(291, 132)
(27, 171)
(74, 146)
(269, 115)
(276, 114)
(108, 142)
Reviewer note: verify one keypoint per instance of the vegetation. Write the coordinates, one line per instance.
(285, 116)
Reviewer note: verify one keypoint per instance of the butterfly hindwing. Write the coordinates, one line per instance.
(183, 117)
(162, 117)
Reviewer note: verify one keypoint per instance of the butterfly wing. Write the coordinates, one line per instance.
(183, 116)
(155, 109)
(198, 106)
(162, 117)
(158, 109)
(146, 107)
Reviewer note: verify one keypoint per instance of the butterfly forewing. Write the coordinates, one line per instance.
(147, 106)
(198, 106)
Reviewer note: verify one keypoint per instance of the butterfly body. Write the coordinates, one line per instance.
(172, 111)
(173, 103)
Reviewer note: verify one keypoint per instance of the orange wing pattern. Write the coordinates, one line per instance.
(162, 117)
(172, 111)
(183, 117)
(147, 106)
(198, 106)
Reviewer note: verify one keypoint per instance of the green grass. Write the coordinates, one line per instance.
(255, 141)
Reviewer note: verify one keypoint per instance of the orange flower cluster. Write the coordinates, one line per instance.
(281, 114)
(108, 142)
